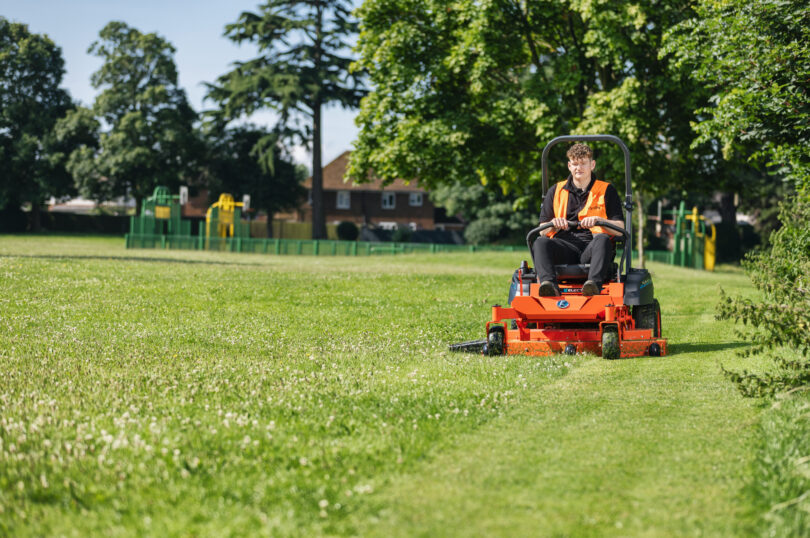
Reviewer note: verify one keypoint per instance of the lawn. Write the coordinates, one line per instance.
(215, 394)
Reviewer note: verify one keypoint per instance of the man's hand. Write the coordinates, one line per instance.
(588, 222)
(559, 223)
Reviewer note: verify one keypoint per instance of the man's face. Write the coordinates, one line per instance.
(581, 168)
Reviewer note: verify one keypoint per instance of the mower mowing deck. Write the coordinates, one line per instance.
(572, 323)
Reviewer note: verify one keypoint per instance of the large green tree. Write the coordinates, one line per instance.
(240, 161)
(303, 65)
(31, 101)
(469, 91)
(148, 137)
(755, 59)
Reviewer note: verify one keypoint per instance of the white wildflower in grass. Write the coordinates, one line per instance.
(245, 396)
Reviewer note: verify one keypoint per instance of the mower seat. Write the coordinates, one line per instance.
(579, 271)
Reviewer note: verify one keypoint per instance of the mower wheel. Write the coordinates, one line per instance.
(495, 344)
(570, 349)
(648, 316)
(610, 344)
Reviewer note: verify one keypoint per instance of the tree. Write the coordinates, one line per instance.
(150, 139)
(302, 67)
(755, 59)
(31, 101)
(469, 92)
(240, 163)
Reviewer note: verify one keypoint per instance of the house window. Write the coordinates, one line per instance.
(415, 199)
(413, 226)
(389, 200)
(344, 200)
(388, 225)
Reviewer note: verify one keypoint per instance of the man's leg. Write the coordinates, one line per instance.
(548, 252)
(599, 253)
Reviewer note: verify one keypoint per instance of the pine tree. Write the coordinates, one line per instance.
(303, 65)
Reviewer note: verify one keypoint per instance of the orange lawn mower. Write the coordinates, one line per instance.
(624, 320)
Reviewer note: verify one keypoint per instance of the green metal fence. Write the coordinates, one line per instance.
(308, 247)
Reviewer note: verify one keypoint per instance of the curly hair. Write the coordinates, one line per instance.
(579, 151)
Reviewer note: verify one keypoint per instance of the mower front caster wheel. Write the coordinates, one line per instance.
(495, 341)
(610, 344)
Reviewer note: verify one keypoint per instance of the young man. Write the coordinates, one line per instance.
(580, 198)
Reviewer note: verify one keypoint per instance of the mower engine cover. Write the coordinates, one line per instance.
(638, 288)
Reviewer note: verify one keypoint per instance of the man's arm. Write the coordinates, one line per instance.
(547, 213)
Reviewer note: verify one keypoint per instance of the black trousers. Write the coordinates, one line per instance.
(551, 251)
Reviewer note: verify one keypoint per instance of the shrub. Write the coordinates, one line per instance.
(483, 231)
(347, 231)
(781, 322)
(402, 234)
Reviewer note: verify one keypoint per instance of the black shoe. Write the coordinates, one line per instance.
(591, 287)
(549, 289)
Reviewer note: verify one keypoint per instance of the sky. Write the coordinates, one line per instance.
(195, 29)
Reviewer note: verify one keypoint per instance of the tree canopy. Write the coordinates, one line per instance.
(755, 59)
(31, 101)
(303, 65)
(468, 92)
(149, 138)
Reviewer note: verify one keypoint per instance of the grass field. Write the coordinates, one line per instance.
(215, 394)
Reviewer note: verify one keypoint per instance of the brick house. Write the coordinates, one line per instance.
(372, 204)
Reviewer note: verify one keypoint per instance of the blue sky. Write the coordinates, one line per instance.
(194, 28)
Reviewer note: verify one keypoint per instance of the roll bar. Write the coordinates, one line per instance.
(628, 193)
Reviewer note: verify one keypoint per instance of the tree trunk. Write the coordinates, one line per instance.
(318, 218)
(728, 211)
(728, 238)
(269, 224)
(36, 216)
(642, 221)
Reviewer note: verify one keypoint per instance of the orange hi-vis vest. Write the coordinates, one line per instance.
(594, 205)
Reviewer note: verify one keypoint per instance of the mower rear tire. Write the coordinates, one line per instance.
(610, 344)
(495, 341)
(648, 316)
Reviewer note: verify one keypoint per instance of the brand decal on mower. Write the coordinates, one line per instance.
(562, 303)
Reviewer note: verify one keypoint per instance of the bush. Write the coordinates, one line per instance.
(781, 322)
(347, 231)
(402, 234)
(483, 231)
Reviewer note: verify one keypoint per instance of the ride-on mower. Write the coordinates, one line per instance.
(624, 320)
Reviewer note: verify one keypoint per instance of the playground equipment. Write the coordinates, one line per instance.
(160, 215)
(224, 220)
(694, 239)
(624, 320)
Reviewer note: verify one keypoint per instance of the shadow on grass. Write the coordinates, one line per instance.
(129, 259)
(702, 347)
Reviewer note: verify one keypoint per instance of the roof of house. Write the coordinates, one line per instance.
(333, 179)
